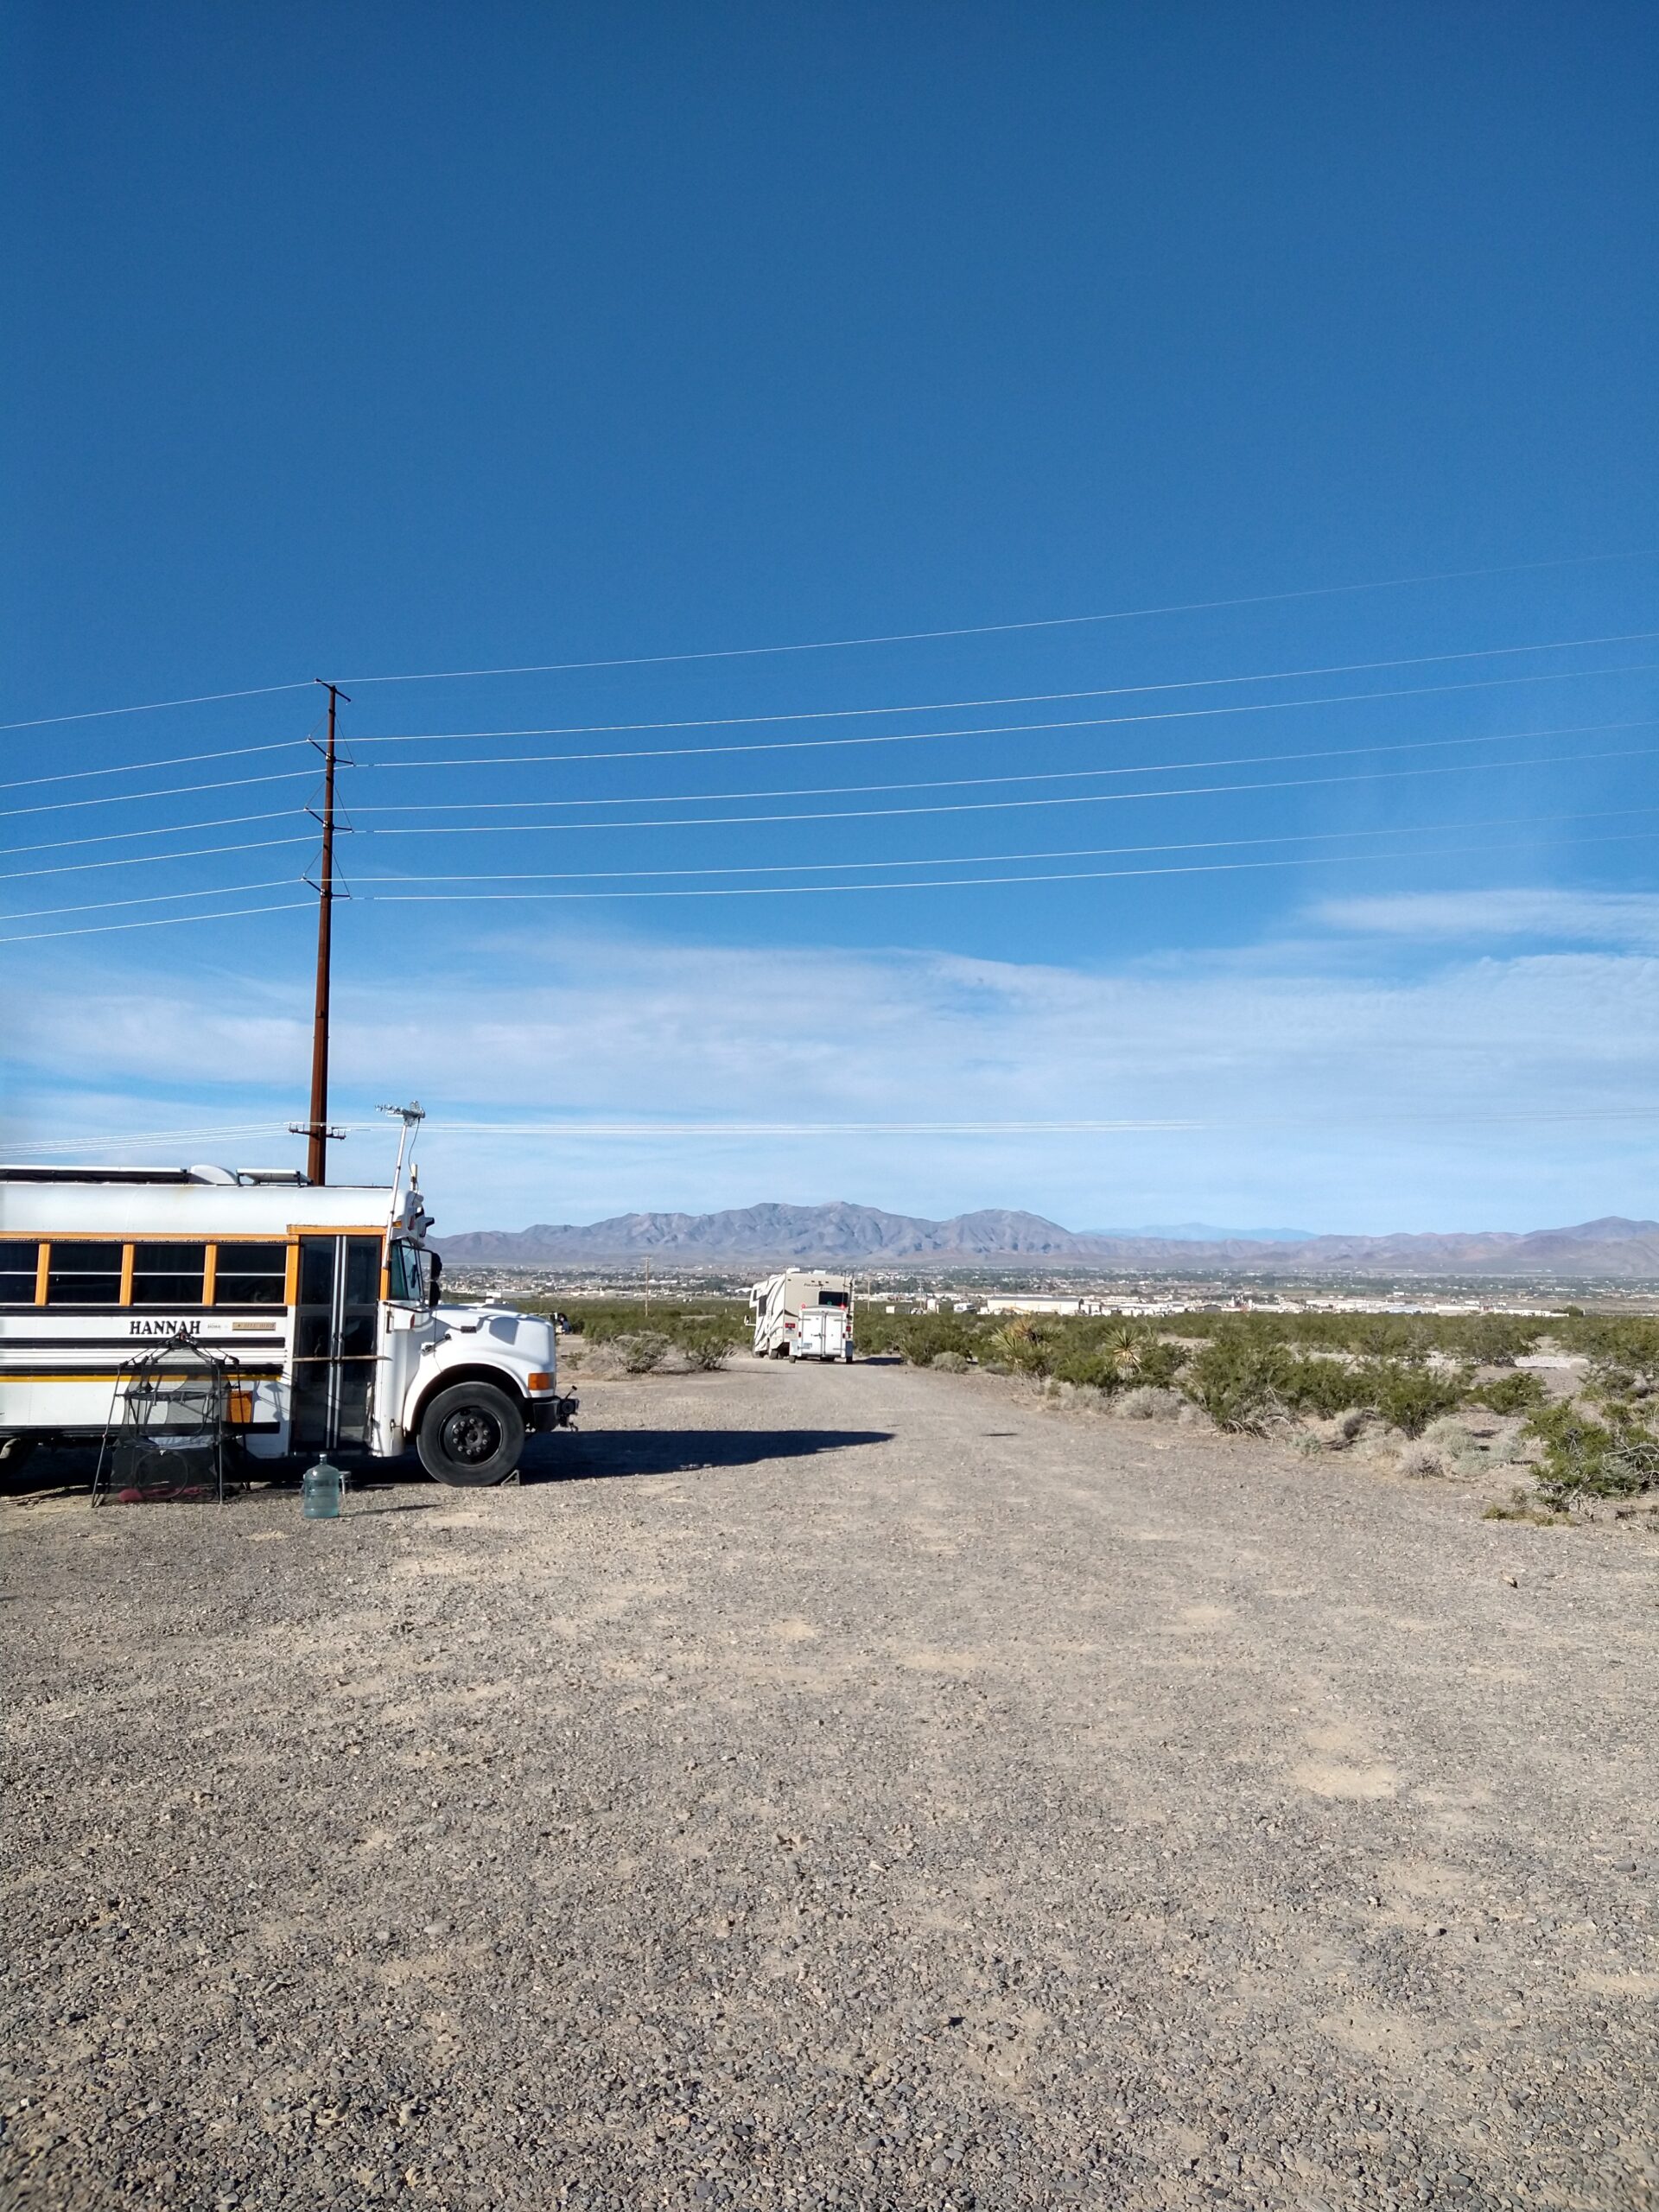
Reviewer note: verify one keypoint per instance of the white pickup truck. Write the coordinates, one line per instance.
(800, 1314)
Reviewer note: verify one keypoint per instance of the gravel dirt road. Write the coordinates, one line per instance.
(848, 1787)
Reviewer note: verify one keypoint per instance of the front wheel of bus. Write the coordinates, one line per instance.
(470, 1435)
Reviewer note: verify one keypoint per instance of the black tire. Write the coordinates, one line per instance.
(471, 1435)
(14, 1450)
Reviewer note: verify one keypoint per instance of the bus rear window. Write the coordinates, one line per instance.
(168, 1274)
(18, 1263)
(85, 1274)
(250, 1274)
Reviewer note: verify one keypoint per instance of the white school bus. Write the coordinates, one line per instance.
(325, 1299)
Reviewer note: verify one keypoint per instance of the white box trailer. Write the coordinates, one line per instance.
(800, 1314)
(325, 1299)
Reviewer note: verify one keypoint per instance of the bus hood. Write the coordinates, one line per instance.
(530, 1335)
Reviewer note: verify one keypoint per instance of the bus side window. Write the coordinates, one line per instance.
(168, 1274)
(250, 1274)
(19, 1265)
(83, 1274)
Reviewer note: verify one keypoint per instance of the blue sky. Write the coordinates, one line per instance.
(376, 342)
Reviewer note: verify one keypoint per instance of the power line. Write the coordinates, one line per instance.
(1032, 698)
(994, 629)
(272, 845)
(128, 1140)
(160, 1136)
(172, 760)
(809, 867)
(834, 645)
(983, 806)
(166, 921)
(166, 829)
(173, 791)
(966, 883)
(1006, 729)
(984, 859)
(1027, 776)
(157, 706)
(150, 860)
(842, 890)
(152, 898)
(791, 1129)
(485, 829)
(905, 737)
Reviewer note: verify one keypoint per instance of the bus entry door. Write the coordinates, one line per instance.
(335, 1347)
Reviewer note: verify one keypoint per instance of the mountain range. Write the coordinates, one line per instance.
(853, 1236)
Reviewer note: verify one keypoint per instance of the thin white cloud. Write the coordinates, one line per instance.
(1457, 917)
(1370, 1099)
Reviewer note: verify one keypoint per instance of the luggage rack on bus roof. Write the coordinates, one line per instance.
(254, 1176)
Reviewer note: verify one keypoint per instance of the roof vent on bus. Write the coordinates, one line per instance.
(211, 1175)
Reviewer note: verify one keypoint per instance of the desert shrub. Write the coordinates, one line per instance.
(1517, 1392)
(951, 1362)
(1409, 1397)
(1145, 1402)
(1627, 1339)
(707, 1343)
(641, 1351)
(920, 1338)
(601, 1320)
(1321, 1386)
(1156, 1363)
(1421, 1459)
(1027, 1347)
(1497, 1340)
(1623, 1359)
(1583, 1458)
(1523, 1505)
(1241, 1384)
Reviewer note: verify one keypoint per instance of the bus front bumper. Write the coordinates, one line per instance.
(558, 1412)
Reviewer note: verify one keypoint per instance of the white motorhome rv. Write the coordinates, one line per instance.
(802, 1315)
(325, 1299)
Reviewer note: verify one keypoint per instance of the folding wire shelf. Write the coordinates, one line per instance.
(172, 1430)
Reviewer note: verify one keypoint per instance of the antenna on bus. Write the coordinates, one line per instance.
(411, 1116)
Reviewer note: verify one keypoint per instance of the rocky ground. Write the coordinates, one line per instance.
(843, 1787)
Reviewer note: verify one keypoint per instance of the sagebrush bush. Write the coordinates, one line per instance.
(1240, 1384)
(1497, 1340)
(1407, 1397)
(1421, 1459)
(951, 1362)
(1147, 1403)
(640, 1352)
(1517, 1392)
(1321, 1386)
(1583, 1458)
(708, 1344)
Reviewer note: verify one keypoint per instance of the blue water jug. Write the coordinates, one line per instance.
(320, 1490)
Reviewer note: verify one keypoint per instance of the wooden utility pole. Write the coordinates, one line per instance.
(316, 1130)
